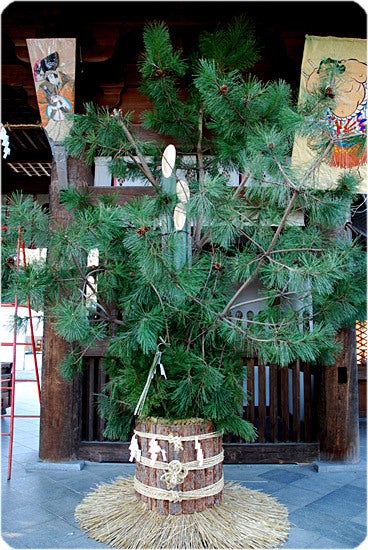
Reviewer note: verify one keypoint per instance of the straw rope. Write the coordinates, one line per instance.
(178, 496)
(192, 465)
(246, 519)
(177, 440)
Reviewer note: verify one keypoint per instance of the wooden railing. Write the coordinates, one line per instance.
(281, 402)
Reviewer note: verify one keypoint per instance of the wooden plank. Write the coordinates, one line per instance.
(284, 403)
(97, 349)
(270, 453)
(261, 403)
(307, 402)
(101, 381)
(296, 400)
(235, 453)
(273, 403)
(121, 194)
(90, 405)
(250, 390)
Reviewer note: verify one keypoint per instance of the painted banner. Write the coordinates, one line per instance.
(339, 66)
(53, 66)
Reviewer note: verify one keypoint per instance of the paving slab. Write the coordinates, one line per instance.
(327, 506)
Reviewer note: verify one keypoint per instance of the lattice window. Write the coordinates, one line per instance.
(31, 169)
(361, 342)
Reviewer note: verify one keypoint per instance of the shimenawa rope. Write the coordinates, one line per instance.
(178, 496)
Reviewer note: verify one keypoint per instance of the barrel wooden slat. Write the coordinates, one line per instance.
(163, 506)
(175, 508)
(140, 473)
(188, 506)
(209, 449)
(217, 469)
(201, 479)
(195, 479)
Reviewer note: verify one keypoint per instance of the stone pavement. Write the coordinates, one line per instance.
(327, 505)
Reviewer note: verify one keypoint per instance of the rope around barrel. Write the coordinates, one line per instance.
(192, 465)
(177, 440)
(178, 496)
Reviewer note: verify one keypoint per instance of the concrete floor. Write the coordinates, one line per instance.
(327, 504)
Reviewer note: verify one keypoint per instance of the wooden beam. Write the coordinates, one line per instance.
(60, 405)
(121, 194)
(338, 410)
(235, 453)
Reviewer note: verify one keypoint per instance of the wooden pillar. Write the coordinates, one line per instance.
(60, 407)
(338, 411)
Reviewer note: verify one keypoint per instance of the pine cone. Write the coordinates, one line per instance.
(143, 230)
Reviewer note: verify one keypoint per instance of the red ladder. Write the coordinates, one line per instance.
(21, 255)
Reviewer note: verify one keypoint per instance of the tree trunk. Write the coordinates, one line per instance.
(60, 414)
(338, 411)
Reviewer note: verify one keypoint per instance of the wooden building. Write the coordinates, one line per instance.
(109, 38)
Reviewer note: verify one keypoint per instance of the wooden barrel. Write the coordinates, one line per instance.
(175, 479)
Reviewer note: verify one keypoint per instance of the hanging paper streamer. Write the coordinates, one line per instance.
(199, 450)
(53, 65)
(155, 450)
(135, 451)
(338, 66)
(4, 138)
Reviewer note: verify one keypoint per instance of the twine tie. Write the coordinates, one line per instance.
(175, 474)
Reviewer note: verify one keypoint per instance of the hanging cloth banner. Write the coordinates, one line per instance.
(53, 66)
(339, 65)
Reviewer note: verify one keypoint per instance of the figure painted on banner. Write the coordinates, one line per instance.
(55, 92)
(345, 81)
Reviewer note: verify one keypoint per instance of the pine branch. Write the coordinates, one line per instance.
(144, 166)
(251, 278)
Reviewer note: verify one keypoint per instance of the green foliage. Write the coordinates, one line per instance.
(158, 290)
(72, 364)
(233, 47)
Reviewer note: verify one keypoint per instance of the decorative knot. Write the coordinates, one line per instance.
(175, 474)
(176, 441)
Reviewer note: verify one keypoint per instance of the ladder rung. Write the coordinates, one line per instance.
(20, 416)
(16, 344)
(13, 379)
(20, 380)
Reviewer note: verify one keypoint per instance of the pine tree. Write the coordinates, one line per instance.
(164, 299)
